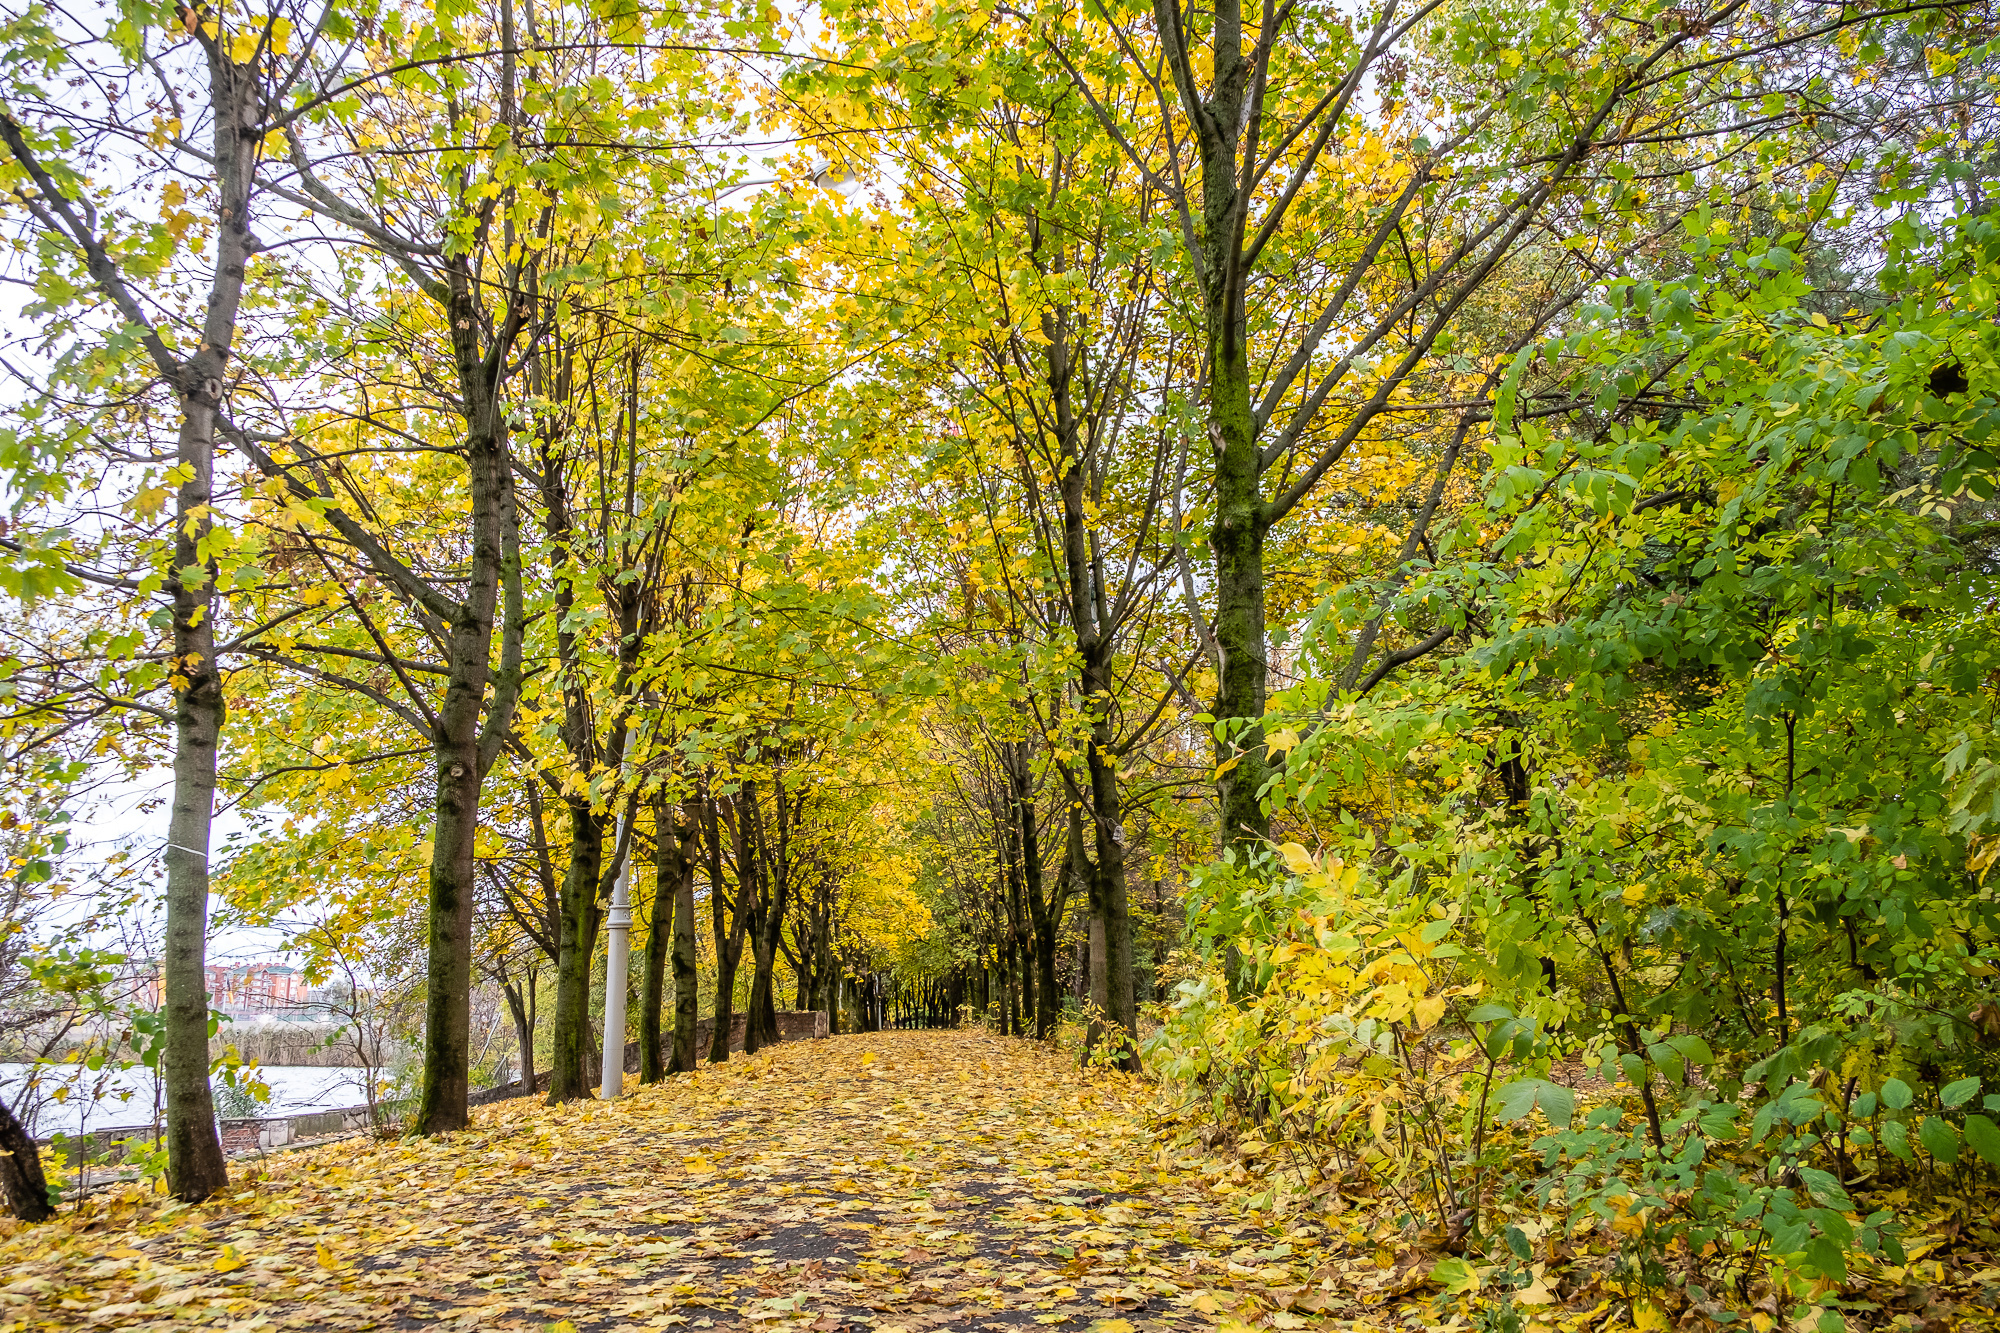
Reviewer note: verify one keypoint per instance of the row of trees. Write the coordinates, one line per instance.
(1193, 415)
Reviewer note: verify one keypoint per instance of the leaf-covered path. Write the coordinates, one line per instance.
(897, 1181)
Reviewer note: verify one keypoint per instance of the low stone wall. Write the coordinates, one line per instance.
(704, 1034)
(793, 1025)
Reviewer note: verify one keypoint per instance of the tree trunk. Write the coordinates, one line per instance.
(1044, 911)
(767, 912)
(195, 1166)
(1237, 539)
(669, 859)
(686, 1001)
(521, 1004)
(1113, 909)
(568, 1076)
(1091, 622)
(21, 1179)
(464, 752)
(729, 928)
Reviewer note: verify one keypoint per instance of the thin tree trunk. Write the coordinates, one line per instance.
(768, 917)
(521, 1004)
(668, 856)
(1044, 912)
(729, 927)
(464, 750)
(195, 1165)
(686, 1001)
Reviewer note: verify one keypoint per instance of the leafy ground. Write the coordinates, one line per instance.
(893, 1183)
(897, 1181)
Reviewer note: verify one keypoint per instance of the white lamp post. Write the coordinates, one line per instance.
(617, 964)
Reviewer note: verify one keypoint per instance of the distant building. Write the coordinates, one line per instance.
(241, 990)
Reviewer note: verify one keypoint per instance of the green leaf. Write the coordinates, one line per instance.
(1825, 1187)
(1692, 1049)
(1961, 1092)
(1896, 1094)
(1939, 1139)
(1984, 1136)
(1455, 1275)
(1555, 1101)
(1896, 1138)
(1824, 1253)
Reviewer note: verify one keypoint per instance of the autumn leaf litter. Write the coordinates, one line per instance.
(897, 1181)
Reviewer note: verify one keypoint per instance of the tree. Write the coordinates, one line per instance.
(1492, 121)
(122, 285)
(670, 935)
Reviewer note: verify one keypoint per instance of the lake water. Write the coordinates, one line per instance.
(106, 1098)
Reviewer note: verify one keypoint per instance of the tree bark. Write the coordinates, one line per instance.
(673, 870)
(729, 927)
(195, 1165)
(686, 1001)
(1092, 625)
(770, 848)
(521, 1005)
(21, 1180)
(581, 913)
(1044, 910)
(465, 752)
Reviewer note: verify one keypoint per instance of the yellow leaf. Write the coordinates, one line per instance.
(697, 1166)
(326, 1257)
(1647, 1317)
(1297, 859)
(1112, 1326)
(229, 1260)
(1282, 741)
(1429, 1010)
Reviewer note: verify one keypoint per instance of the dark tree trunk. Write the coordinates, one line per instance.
(521, 1005)
(464, 751)
(21, 1179)
(1044, 911)
(770, 848)
(686, 1002)
(568, 1073)
(669, 864)
(729, 928)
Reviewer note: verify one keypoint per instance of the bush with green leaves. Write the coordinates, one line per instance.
(1708, 784)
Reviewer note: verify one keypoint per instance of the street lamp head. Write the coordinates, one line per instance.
(837, 179)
